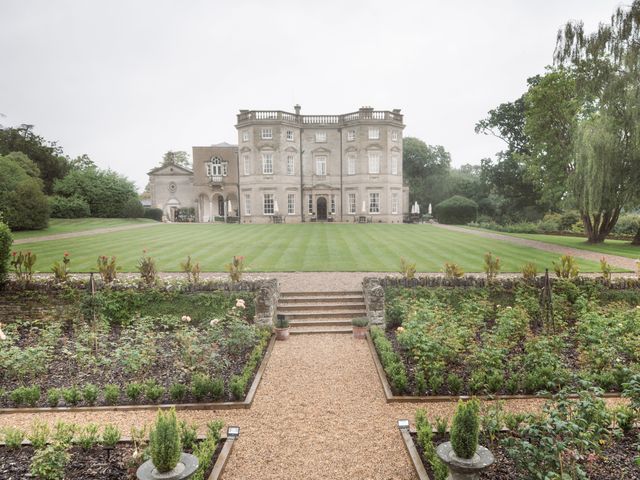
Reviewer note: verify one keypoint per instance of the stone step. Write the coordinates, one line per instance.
(321, 299)
(313, 330)
(335, 314)
(320, 294)
(320, 323)
(304, 307)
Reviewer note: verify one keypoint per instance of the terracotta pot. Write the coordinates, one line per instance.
(282, 333)
(360, 332)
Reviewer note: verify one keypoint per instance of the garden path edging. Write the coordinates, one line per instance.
(244, 404)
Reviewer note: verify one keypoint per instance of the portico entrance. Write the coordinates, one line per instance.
(321, 209)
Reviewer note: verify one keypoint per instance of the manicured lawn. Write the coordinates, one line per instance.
(67, 225)
(303, 247)
(611, 247)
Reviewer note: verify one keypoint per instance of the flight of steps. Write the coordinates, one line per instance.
(321, 312)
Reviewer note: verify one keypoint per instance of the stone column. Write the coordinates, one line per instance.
(374, 300)
(267, 295)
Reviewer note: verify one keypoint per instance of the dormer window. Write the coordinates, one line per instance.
(216, 168)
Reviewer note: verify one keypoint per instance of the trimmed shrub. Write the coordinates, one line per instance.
(6, 240)
(153, 213)
(627, 225)
(132, 209)
(465, 429)
(28, 208)
(68, 207)
(457, 210)
(164, 441)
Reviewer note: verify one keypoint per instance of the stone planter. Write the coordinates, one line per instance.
(360, 332)
(462, 468)
(282, 333)
(187, 466)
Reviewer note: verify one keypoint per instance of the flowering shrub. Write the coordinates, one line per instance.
(567, 268)
(61, 269)
(407, 269)
(491, 266)
(107, 268)
(529, 271)
(192, 270)
(605, 269)
(236, 268)
(452, 270)
(6, 239)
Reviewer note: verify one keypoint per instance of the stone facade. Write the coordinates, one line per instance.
(294, 168)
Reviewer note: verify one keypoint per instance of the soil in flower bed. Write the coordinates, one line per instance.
(615, 462)
(157, 352)
(96, 463)
(498, 340)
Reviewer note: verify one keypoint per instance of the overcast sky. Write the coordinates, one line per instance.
(126, 80)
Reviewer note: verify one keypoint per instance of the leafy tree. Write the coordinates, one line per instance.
(106, 191)
(81, 163)
(23, 205)
(180, 158)
(424, 166)
(606, 65)
(48, 156)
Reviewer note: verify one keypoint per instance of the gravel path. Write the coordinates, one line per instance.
(319, 413)
(84, 233)
(615, 260)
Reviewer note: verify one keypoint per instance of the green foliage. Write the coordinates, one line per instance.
(456, 210)
(111, 394)
(13, 437)
(132, 209)
(360, 322)
(72, 396)
(53, 397)
(28, 396)
(90, 394)
(491, 266)
(63, 433)
(455, 384)
(153, 213)
(605, 269)
(236, 268)
(465, 429)
(188, 435)
(407, 269)
(177, 392)
(147, 269)
(204, 386)
(204, 450)
(153, 391)
(110, 436)
(22, 264)
(39, 435)
(424, 435)
(452, 270)
(529, 271)
(192, 270)
(632, 392)
(68, 207)
(442, 423)
(88, 436)
(567, 268)
(391, 361)
(107, 268)
(106, 192)
(133, 391)
(60, 270)
(49, 463)
(6, 240)
(423, 166)
(164, 441)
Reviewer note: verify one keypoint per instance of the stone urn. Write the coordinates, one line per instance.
(463, 468)
(187, 466)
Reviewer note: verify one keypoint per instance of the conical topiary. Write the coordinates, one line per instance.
(465, 429)
(164, 442)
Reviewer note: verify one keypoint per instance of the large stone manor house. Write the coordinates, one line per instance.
(289, 167)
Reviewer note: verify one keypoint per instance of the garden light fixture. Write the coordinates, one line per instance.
(233, 432)
(403, 424)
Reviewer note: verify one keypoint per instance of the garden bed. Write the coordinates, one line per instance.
(503, 341)
(615, 462)
(116, 463)
(126, 349)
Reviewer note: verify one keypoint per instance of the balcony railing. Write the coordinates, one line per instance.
(269, 116)
(215, 179)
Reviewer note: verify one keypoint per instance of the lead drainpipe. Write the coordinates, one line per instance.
(301, 191)
(341, 192)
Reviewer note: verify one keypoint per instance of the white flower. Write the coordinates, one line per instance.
(240, 303)
(214, 322)
(2, 335)
(508, 308)
(186, 318)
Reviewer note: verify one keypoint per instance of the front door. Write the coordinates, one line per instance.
(220, 206)
(322, 208)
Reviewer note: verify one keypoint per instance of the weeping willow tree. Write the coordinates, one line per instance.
(601, 181)
(606, 150)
